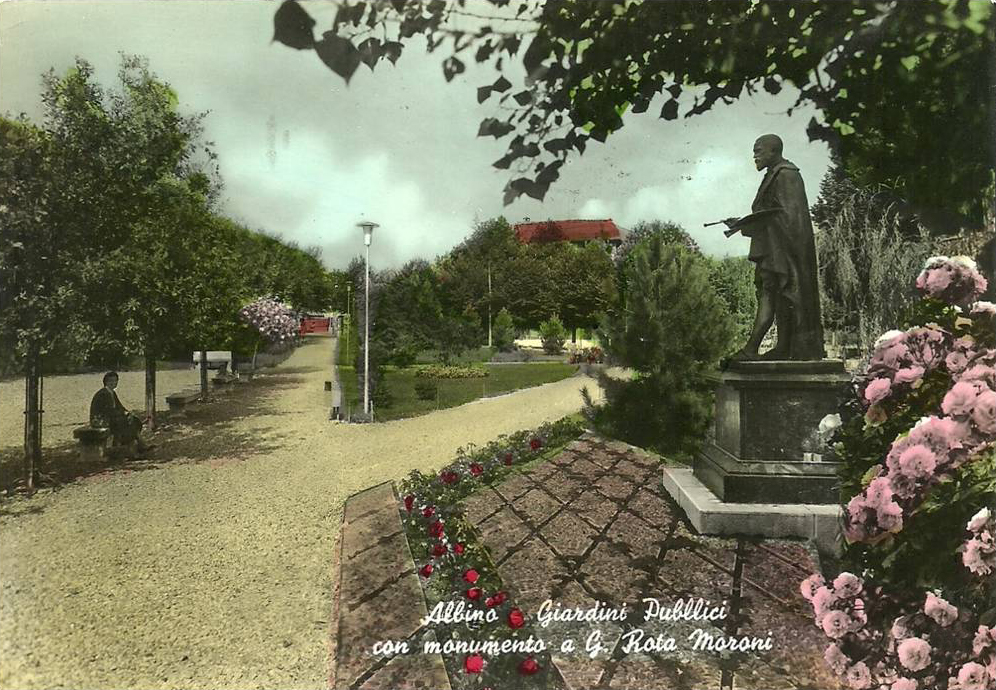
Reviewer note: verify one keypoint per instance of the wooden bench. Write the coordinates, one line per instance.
(178, 401)
(92, 440)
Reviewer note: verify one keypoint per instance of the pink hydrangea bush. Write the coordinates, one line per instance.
(916, 439)
(274, 320)
(930, 644)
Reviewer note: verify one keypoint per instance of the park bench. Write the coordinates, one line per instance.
(178, 401)
(92, 440)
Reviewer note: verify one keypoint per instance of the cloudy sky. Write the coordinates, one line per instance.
(305, 156)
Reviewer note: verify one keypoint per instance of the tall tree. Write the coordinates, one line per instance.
(889, 77)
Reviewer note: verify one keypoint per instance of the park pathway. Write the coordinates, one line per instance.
(218, 574)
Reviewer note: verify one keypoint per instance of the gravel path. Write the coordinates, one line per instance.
(217, 576)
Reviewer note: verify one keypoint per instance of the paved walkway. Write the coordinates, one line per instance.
(594, 525)
(216, 571)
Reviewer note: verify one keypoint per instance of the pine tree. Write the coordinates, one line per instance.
(672, 330)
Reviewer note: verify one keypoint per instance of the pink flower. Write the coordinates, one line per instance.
(914, 654)
(847, 586)
(821, 601)
(937, 434)
(977, 556)
(959, 400)
(836, 659)
(878, 493)
(858, 676)
(973, 676)
(835, 624)
(900, 631)
(877, 390)
(978, 520)
(938, 280)
(858, 617)
(943, 613)
(917, 462)
(983, 640)
(909, 374)
(890, 517)
(984, 414)
(905, 684)
(856, 509)
(956, 362)
(810, 585)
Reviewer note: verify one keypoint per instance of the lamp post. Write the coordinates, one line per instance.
(368, 229)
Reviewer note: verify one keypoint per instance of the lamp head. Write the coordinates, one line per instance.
(368, 228)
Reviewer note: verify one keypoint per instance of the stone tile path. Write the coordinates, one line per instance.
(594, 527)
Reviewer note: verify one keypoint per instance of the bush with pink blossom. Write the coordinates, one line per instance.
(916, 439)
(272, 320)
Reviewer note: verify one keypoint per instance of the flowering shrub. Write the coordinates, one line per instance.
(453, 565)
(916, 440)
(274, 320)
(439, 371)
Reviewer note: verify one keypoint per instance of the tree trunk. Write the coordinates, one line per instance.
(204, 374)
(150, 391)
(32, 417)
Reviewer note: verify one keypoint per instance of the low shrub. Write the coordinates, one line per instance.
(434, 371)
(426, 389)
(553, 335)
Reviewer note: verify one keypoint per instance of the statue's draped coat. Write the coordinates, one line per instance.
(783, 244)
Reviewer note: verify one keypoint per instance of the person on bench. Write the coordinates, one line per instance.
(107, 411)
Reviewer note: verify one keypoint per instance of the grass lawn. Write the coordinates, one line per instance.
(502, 378)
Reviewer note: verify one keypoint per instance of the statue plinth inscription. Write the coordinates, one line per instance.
(767, 413)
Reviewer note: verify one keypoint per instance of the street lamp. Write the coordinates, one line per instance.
(368, 229)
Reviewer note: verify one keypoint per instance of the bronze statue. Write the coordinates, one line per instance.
(784, 256)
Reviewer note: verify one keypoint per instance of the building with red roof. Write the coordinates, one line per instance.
(577, 231)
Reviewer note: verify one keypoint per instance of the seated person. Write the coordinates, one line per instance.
(107, 411)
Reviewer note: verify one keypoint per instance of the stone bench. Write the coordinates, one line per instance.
(92, 440)
(178, 401)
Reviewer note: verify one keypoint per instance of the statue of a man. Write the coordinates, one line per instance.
(784, 256)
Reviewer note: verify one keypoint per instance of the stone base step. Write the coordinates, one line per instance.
(709, 515)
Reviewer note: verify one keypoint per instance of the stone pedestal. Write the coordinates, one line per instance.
(764, 448)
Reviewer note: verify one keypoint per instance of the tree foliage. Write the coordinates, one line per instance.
(889, 78)
(867, 250)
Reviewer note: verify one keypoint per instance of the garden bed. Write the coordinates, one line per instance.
(501, 379)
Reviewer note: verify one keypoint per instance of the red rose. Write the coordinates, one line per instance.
(458, 549)
(528, 666)
(508, 458)
(473, 664)
(409, 502)
(495, 600)
(536, 444)
(476, 470)
(426, 570)
(438, 550)
(428, 511)
(474, 593)
(449, 477)
(516, 619)
(436, 529)
(471, 576)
